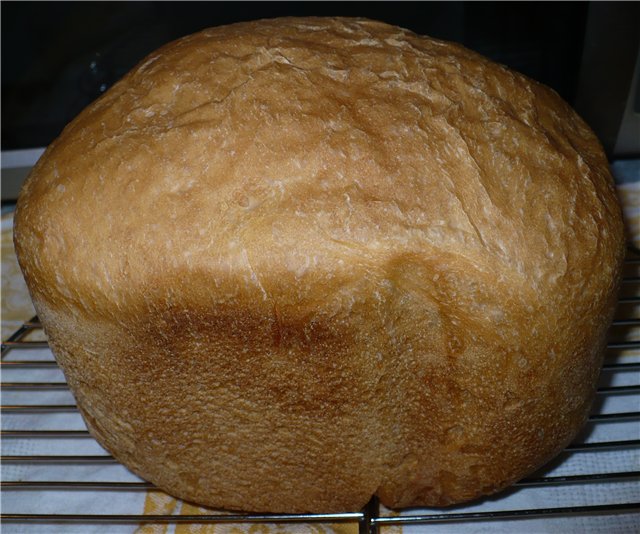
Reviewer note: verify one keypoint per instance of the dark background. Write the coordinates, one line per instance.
(59, 56)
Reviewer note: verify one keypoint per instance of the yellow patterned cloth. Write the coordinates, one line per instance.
(157, 502)
(16, 304)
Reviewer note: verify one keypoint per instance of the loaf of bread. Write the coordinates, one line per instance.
(289, 264)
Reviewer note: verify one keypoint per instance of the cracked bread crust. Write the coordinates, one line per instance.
(291, 263)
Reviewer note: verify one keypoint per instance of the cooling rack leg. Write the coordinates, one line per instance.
(17, 335)
(371, 511)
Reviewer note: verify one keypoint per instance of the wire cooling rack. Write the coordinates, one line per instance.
(619, 380)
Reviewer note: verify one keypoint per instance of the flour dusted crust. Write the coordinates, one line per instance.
(291, 263)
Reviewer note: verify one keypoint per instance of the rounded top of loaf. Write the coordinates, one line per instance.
(289, 158)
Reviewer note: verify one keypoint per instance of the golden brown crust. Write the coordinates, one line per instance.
(291, 263)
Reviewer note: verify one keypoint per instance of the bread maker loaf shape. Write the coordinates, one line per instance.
(289, 264)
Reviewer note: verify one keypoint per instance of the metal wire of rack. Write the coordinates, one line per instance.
(622, 359)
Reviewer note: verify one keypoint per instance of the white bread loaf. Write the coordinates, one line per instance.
(289, 264)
